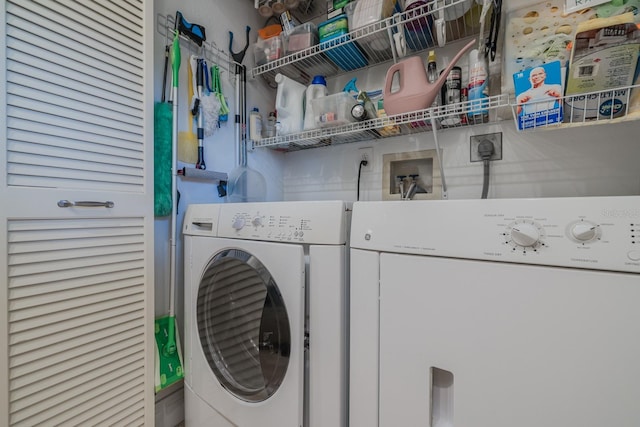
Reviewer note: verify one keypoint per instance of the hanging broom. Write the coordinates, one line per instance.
(168, 352)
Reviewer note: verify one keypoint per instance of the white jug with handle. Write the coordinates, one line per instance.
(289, 105)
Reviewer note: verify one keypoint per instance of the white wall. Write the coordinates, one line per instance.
(218, 17)
(595, 160)
(591, 161)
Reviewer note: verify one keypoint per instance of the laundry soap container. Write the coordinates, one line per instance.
(317, 89)
(347, 56)
(289, 105)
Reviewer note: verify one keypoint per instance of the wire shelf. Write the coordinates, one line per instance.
(445, 117)
(600, 107)
(376, 41)
(165, 25)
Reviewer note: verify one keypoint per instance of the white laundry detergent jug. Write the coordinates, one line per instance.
(289, 105)
(316, 89)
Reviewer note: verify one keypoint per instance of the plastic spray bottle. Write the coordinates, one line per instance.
(478, 88)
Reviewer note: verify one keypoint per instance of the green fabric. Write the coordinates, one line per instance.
(162, 155)
(175, 59)
(168, 364)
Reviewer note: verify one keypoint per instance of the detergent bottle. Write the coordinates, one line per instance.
(289, 105)
(316, 89)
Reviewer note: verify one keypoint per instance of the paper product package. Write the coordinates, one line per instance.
(538, 34)
(539, 95)
(603, 64)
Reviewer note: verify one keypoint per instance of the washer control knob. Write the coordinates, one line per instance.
(238, 223)
(584, 231)
(525, 235)
(257, 221)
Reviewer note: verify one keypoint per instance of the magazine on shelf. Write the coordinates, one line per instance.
(539, 95)
(602, 65)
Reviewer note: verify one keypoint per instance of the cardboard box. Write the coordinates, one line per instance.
(603, 63)
(335, 7)
(347, 56)
(539, 95)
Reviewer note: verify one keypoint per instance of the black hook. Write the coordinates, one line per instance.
(238, 56)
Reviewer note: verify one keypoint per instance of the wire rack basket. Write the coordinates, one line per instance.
(606, 106)
(453, 116)
(377, 42)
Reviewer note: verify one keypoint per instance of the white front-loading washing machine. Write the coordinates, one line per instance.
(266, 302)
(496, 313)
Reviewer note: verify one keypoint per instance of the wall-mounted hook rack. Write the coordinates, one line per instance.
(165, 25)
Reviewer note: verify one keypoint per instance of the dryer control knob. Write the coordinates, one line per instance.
(584, 231)
(238, 223)
(257, 221)
(525, 234)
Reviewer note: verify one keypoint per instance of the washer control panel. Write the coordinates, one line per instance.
(268, 226)
(525, 235)
(289, 222)
(601, 233)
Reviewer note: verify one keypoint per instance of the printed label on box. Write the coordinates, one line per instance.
(604, 60)
(538, 95)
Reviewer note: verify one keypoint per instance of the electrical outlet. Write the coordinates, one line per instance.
(475, 140)
(366, 153)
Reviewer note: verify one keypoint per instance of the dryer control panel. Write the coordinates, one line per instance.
(601, 233)
(323, 222)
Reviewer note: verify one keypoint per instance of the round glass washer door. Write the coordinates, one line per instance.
(243, 325)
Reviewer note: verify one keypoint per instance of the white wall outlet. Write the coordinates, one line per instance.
(366, 153)
(475, 140)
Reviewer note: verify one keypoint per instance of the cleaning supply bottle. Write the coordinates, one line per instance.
(432, 76)
(289, 105)
(316, 89)
(255, 125)
(478, 88)
(432, 72)
(270, 130)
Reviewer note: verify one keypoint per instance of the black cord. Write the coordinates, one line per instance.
(485, 149)
(485, 180)
(362, 163)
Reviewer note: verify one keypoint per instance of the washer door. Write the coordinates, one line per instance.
(243, 325)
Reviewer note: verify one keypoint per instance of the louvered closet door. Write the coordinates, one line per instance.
(77, 345)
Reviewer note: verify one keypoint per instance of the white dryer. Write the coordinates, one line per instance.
(496, 313)
(266, 314)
